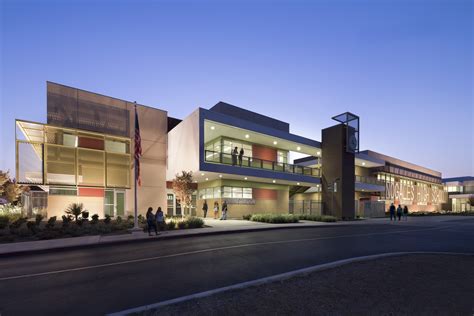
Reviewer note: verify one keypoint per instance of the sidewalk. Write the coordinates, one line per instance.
(212, 227)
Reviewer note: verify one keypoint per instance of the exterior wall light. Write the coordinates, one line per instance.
(298, 148)
(273, 181)
(202, 174)
(297, 183)
(275, 142)
(207, 179)
(247, 135)
(220, 176)
(213, 127)
(245, 178)
(363, 164)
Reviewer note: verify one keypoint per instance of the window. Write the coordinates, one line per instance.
(60, 165)
(227, 192)
(63, 191)
(247, 193)
(90, 167)
(170, 205)
(237, 193)
(282, 156)
(117, 146)
(118, 170)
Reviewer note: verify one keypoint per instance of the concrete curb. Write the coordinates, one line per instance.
(278, 277)
(99, 243)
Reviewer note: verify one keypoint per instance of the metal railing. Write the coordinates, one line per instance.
(306, 207)
(369, 180)
(257, 163)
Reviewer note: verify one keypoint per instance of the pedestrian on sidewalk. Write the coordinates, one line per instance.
(150, 221)
(224, 211)
(392, 212)
(216, 210)
(204, 208)
(405, 212)
(399, 212)
(160, 219)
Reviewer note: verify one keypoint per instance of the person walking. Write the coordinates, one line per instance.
(160, 219)
(224, 211)
(241, 155)
(204, 208)
(150, 221)
(392, 212)
(216, 210)
(399, 212)
(234, 156)
(405, 212)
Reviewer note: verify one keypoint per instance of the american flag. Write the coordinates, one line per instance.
(138, 147)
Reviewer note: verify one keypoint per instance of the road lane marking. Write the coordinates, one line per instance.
(277, 277)
(118, 263)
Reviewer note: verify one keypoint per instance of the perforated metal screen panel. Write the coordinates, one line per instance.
(74, 112)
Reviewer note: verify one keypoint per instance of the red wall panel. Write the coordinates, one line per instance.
(91, 192)
(265, 194)
(265, 153)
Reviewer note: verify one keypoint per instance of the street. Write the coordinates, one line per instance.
(108, 279)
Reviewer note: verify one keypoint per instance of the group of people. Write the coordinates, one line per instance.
(398, 212)
(237, 154)
(155, 221)
(216, 209)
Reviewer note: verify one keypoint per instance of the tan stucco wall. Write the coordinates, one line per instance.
(276, 206)
(57, 205)
(153, 132)
(315, 196)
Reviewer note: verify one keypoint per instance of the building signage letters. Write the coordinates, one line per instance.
(409, 193)
(241, 201)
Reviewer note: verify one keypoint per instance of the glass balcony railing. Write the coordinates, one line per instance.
(251, 162)
(369, 180)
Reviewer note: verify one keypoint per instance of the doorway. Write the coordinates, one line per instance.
(114, 203)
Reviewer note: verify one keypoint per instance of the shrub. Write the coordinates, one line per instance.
(317, 218)
(4, 220)
(31, 226)
(85, 216)
(107, 219)
(48, 234)
(247, 217)
(16, 224)
(38, 219)
(51, 222)
(66, 220)
(141, 219)
(170, 225)
(182, 224)
(74, 209)
(95, 219)
(130, 218)
(118, 220)
(274, 218)
(194, 222)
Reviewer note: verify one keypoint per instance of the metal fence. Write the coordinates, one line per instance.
(308, 207)
(370, 208)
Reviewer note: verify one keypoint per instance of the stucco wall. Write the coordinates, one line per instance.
(57, 205)
(183, 146)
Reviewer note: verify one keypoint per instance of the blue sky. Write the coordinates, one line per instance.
(405, 67)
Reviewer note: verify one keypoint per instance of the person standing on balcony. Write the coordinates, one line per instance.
(204, 208)
(235, 152)
(241, 155)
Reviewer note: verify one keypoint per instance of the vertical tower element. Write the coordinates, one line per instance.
(339, 145)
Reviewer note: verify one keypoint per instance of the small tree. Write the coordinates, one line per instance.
(471, 200)
(9, 188)
(75, 209)
(182, 187)
(3, 180)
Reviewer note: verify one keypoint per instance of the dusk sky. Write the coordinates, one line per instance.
(405, 67)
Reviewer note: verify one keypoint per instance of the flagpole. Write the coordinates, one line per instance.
(135, 220)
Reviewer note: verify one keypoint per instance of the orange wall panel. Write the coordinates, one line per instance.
(91, 192)
(265, 153)
(264, 194)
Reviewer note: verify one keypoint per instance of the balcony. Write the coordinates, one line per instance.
(369, 180)
(256, 163)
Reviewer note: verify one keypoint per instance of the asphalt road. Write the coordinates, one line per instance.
(100, 280)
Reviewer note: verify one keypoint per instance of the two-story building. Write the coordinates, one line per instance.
(84, 153)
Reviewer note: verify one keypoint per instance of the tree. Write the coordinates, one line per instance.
(182, 187)
(471, 200)
(75, 209)
(9, 188)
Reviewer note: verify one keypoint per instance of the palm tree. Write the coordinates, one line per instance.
(75, 209)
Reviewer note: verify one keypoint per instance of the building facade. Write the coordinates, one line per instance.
(460, 191)
(84, 153)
